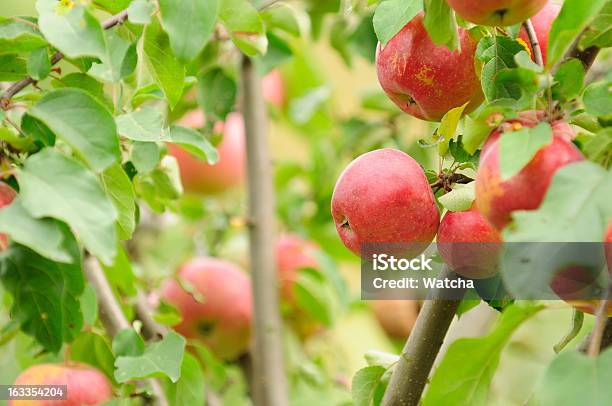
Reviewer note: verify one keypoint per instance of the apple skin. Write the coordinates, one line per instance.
(222, 319)
(608, 246)
(396, 317)
(541, 22)
(273, 88)
(7, 194)
(496, 12)
(85, 384)
(292, 254)
(427, 80)
(383, 196)
(469, 244)
(496, 199)
(198, 177)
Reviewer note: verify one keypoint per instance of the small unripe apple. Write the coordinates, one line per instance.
(396, 317)
(497, 198)
(214, 299)
(424, 79)
(7, 194)
(85, 384)
(542, 22)
(496, 12)
(198, 177)
(273, 88)
(383, 196)
(469, 244)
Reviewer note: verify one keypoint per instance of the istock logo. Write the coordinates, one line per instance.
(385, 262)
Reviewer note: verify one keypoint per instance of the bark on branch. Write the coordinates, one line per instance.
(269, 381)
(533, 41)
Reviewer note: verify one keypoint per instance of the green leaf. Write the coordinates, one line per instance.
(167, 314)
(72, 194)
(36, 129)
(365, 384)
(313, 296)
(45, 293)
(160, 186)
(569, 80)
(517, 148)
(460, 155)
(599, 148)
(120, 61)
(392, 15)
(163, 357)
(83, 122)
(145, 124)
(279, 52)
(45, 236)
(217, 93)
(165, 69)
(460, 198)
(597, 98)
(84, 82)
(12, 68)
(89, 305)
(440, 23)
(574, 16)
(498, 53)
(119, 188)
(194, 142)
(281, 17)
(245, 26)
(599, 32)
(75, 31)
(465, 373)
(140, 11)
(189, 24)
(448, 126)
(575, 208)
(39, 64)
(120, 273)
(516, 88)
(145, 156)
(17, 36)
(189, 389)
(127, 342)
(112, 6)
(574, 378)
(93, 349)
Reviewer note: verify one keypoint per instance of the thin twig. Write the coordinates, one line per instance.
(598, 329)
(533, 41)
(269, 380)
(20, 85)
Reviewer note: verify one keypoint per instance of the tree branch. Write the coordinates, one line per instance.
(586, 56)
(20, 85)
(269, 381)
(421, 349)
(112, 316)
(533, 41)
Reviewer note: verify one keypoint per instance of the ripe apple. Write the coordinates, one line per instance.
(85, 384)
(496, 198)
(199, 177)
(213, 297)
(383, 197)
(7, 194)
(496, 12)
(396, 317)
(608, 246)
(469, 244)
(542, 22)
(273, 88)
(427, 80)
(292, 254)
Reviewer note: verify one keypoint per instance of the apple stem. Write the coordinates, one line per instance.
(598, 329)
(269, 380)
(421, 349)
(112, 316)
(533, 41)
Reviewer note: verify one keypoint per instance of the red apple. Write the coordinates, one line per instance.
(292, 254)
(496, 198)
(7, 194)
(85, 385)
(199, 177)
(273, 88)
(214, 299)
(469, 244)
(496, 12)
(427, 80)
(608, 246)
(383, 197)
(542, 22)
(396, 317)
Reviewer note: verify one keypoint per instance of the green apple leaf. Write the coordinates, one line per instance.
(245, 25)
(127, 342)
(39, 64)
(70, 193)
(281, 17)
(43, 235)
(145, 124)
(440, 23)
(83, 122)
(189, 24)
(217, 93)
(465, 373)
(18, 36)
(120, 62)
(145, 156)
(93, 349)
(45, 293)
(165, 69)
(448, 127)
(89, 305)
(12, 68)
(599, 148)
(597, 98)
(119, 188)
(365, 384)
(569, 80)
(392, 15)
(72, 30)
(194, 142)
(84, 82)
(190, 388)
(161, 358)
(497, 53)
(599, 33)
(460, 198)
(120, 273)
(140, 11)
(517, 148)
